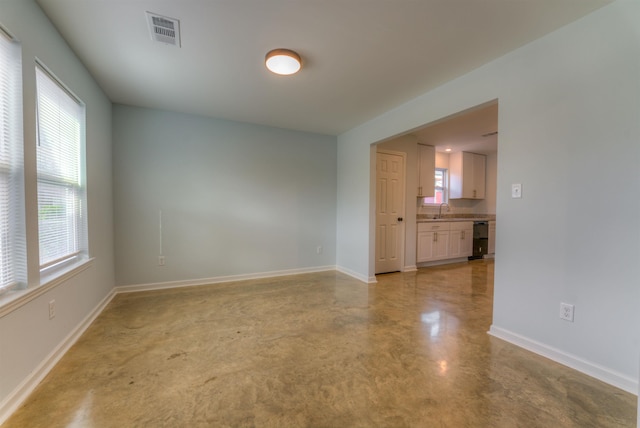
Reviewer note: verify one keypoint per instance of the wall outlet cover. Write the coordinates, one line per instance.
(566, 311)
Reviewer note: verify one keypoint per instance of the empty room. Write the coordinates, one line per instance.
(276, 213)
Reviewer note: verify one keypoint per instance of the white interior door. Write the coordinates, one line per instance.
(389, 211)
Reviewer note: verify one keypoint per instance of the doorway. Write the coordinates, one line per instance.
(473, 130)
(390, 207)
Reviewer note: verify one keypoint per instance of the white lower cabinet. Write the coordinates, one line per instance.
(433, 241)
(441, 245)
(461, 239)
(444, 240)
(424, 249)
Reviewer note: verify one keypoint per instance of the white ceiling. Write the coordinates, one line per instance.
(464, 132)
(361, 57)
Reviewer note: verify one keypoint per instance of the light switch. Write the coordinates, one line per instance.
(516, 191)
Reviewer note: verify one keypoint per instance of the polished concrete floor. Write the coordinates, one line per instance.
(320, 350)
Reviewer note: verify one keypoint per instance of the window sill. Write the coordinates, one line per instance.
(13, 300)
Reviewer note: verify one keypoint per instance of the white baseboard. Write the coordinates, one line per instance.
(11, 403)
(412, 268)
(219, 279)
(604, 374)
(356, 275)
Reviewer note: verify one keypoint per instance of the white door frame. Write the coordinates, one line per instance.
(402, 234)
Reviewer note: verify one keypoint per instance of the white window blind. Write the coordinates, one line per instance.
(62, 219)
(12, 231)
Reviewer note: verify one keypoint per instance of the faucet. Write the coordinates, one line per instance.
(440, 209)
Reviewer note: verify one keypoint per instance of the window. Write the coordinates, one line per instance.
(62, 218)
(13, 270)
(441, 194)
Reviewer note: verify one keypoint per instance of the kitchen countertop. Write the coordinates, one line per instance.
(451, 219)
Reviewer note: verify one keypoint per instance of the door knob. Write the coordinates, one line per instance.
(399, 218)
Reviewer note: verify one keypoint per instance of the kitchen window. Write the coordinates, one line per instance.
(62, 213)
(13, 271)
(441, 194)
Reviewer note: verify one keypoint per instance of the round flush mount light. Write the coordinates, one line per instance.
(283, 61)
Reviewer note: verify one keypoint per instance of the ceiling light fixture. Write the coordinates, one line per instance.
(447, 150)
(283, 61)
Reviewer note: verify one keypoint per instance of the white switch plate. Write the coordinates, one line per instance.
(516, 191)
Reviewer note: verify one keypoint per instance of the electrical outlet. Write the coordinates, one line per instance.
(566, 311)
(52, 309)
(160, 260)
(319, 249)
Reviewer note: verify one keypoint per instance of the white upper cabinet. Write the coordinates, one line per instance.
(467, 175)
(426, 170)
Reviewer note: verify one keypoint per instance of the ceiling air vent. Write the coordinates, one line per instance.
(163, 29)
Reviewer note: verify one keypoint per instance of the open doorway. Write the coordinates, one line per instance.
(472, 131)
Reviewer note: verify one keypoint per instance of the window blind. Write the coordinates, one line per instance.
(62, 219)
(13, 270)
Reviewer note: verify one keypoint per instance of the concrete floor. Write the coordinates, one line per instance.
(316, 350)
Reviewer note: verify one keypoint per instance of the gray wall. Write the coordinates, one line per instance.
(236, 198)
(241, 198)
(27, 336)
(569, 132)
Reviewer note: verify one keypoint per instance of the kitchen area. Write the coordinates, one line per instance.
(463, 227)
(448, 213)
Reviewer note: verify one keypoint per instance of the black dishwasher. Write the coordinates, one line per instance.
(480, 239)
